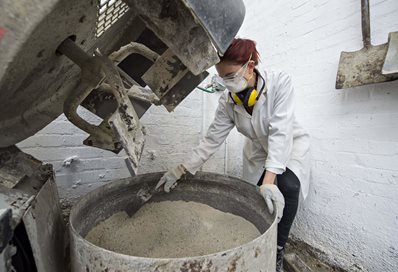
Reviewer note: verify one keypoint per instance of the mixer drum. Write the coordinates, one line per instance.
(224, 193)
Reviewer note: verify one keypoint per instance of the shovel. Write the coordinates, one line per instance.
(364, 66)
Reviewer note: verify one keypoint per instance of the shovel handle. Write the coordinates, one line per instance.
(365, 23)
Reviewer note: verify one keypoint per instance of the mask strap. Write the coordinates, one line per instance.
(262, 87)
(230, 95)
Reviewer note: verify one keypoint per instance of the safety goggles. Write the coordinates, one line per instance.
(241, 72)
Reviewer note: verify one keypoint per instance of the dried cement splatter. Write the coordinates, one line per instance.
(172, 229)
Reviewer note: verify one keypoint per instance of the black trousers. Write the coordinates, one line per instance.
(289, 185)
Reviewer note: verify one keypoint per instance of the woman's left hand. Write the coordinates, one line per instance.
(271, 195)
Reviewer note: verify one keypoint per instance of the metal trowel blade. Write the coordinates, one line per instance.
(144, 195)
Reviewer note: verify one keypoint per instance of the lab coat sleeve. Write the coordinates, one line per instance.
(280, 138)
(215, 136)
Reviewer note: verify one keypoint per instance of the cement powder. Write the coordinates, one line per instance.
(172, 229)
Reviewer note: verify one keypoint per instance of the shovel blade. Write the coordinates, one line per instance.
(362, 67)
(390, 66)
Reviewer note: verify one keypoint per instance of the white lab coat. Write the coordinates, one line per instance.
(274, 139)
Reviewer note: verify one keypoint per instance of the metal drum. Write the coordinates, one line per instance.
(224, 193)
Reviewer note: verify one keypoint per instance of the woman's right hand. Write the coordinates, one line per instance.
(170, 178)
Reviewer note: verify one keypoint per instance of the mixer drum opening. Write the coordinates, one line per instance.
(227, 226)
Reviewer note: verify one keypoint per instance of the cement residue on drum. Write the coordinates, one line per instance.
(172, 229)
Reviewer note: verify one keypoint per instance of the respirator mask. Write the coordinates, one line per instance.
(237, 82)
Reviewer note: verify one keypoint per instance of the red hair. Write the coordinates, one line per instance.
(240, 51)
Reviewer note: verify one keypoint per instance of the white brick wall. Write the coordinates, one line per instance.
(61, 140)
(352, 210)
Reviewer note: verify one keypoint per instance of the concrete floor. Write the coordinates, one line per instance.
(300, 257)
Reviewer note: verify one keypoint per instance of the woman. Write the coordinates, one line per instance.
(261, 106)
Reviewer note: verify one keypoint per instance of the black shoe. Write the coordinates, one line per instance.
(279, 258)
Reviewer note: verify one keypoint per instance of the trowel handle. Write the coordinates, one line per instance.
(365, 23)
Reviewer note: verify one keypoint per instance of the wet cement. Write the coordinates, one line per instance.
(172, 229)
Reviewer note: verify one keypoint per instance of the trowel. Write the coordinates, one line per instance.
(364, 66)
(144, 195)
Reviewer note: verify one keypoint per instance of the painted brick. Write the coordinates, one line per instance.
(348, 213)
